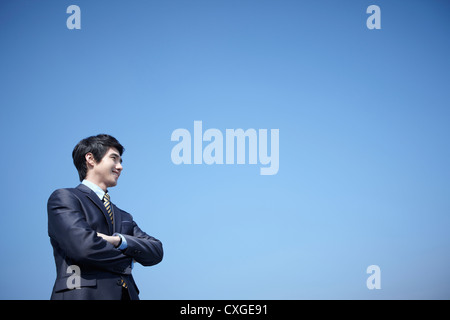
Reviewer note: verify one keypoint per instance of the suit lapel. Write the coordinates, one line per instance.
(117, 219)
(96, 200)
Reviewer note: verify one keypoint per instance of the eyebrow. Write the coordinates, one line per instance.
(116, 155)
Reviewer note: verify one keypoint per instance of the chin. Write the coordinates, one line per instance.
(113, 184)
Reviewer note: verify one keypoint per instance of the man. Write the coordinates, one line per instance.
(94, 242)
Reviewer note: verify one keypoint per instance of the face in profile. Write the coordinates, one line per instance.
(106, 172)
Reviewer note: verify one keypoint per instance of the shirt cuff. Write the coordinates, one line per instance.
(123, 243)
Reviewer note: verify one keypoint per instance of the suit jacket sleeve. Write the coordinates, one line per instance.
(67, 226)
(143, 248)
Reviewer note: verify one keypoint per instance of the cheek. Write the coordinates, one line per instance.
(106, 170)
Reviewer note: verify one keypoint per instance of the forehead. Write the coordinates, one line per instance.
(112, 151)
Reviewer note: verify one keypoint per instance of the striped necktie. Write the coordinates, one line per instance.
(123, 283)
(107, 203)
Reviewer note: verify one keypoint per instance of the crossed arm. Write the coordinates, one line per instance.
(114, 240)
(68, 227)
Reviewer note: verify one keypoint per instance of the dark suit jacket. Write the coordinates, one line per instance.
(75, 215)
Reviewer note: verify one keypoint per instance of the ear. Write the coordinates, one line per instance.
(90, 161)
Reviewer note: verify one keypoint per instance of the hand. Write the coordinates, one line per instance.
(114, 240)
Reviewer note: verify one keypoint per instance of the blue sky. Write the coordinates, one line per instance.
(364, 151)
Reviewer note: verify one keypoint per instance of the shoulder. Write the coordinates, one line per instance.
(62, 192)
(64, 195)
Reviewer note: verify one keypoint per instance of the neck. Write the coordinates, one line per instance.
(102, 185)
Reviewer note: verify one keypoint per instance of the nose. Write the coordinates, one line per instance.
(119, 166)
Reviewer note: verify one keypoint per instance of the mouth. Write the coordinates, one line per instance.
(116, 173)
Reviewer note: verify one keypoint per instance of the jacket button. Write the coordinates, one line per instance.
(119, 282)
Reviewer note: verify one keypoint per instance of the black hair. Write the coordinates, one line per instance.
(97, 145)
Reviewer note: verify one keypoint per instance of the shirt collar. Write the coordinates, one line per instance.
(98, 191)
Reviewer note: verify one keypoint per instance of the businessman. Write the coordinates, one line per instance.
(94, 242)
